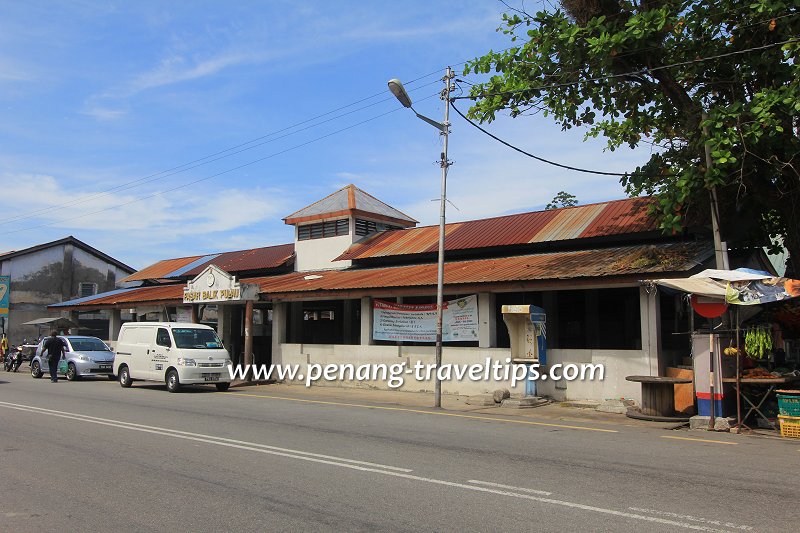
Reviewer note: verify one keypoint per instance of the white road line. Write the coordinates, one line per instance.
(691, 518)
(177, 433)
(500, 486)
(254, 448)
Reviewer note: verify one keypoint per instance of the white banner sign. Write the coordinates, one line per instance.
(415, 322)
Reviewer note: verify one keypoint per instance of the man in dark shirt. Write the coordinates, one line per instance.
(55, 347)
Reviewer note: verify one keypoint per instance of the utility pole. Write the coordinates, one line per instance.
(720, 246)
(440, 270)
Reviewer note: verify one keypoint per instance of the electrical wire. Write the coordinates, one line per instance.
(536, 157)
(631, 73)
(229, 152)
(206, 178)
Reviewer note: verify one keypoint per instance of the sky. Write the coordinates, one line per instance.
(152, 130)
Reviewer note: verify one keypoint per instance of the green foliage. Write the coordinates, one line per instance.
(562, 199)
(637, 72)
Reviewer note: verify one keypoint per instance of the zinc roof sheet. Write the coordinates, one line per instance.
(232, 262)
(348, 198)
(593, 220)
(162, 269)
(162, 293)
(618, 261)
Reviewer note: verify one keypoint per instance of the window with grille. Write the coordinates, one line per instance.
(87, 289)
(330, 228)
(365, 227)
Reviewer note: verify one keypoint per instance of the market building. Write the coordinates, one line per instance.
(314, 300)
(56, 271)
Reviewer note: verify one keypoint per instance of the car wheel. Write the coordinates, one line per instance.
(125, 377)
(173, 383)
(72, 372)
(36, 370)
(222, 387)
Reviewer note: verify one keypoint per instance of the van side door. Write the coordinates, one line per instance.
(159, 360)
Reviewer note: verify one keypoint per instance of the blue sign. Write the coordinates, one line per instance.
(5, 288)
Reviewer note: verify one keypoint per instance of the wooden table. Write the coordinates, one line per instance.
(658, 394)
(769, 384)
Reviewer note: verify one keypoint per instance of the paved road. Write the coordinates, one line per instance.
(90, 456)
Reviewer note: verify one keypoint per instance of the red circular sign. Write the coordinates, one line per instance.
(709, 309)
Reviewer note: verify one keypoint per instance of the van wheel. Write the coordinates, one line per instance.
(125, 377)
(72, 373)
(36, 370)
(222, 387)
(173, 383)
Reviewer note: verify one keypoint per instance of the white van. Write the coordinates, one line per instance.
(174, 353)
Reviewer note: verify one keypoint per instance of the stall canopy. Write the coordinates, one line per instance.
(52, 322)
(712, 283)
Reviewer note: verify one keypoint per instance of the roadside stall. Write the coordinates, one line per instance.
(742, 355)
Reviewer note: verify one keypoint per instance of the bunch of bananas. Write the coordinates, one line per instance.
(758, 342)
(731, 350)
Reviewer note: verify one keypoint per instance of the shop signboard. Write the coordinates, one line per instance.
(5, 289)
(215, 285)
(417, 322)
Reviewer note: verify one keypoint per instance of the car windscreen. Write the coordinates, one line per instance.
(88, 345)
(196, 338)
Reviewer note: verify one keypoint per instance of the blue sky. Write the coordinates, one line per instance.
(100, 100)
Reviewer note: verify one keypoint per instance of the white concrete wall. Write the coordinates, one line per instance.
(317, 254)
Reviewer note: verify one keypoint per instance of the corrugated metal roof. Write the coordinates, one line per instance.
(594, 220)
(348, 198)
(641, 260)
(618, 261)
(163, 293)
(246, 260)
(162, 269)
(231, 262)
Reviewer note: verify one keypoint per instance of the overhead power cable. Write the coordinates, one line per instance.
(194, 182)
(222, 154)
(536, 157)
(631, 73)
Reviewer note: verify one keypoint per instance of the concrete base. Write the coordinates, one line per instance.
(581, 404)
(524, 403)
(484, 400)
(720, 423)
(619, 407)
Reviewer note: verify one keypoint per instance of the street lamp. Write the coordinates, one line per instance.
(402, 96)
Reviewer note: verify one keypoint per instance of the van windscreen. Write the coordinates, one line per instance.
(196, 338)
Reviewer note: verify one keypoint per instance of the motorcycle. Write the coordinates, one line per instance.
(13, 360)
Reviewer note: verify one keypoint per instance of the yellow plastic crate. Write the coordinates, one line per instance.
(790, 426)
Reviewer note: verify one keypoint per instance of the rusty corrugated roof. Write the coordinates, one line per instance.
(349, 199)
(160, 294)
(162, 269)
(231, 262)
(640, 260)
(617, 217)
(618, 261)
(246, 260)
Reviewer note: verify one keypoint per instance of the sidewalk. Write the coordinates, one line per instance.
(424, 401)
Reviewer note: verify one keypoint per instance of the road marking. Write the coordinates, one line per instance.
(699, 440)
(218, 441)
(180, 434)
(422, 411)
(693, 518)
(500, 486)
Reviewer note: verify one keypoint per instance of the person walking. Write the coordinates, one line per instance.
(55, 347)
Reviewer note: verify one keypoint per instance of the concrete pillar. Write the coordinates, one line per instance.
(248, 332)
(279, 315)
(195, 314)
(114, 324)
(650, 312)
(366, 321)
(487, 320)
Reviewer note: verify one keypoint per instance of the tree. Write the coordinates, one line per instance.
(677, 75)
(562, 199)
